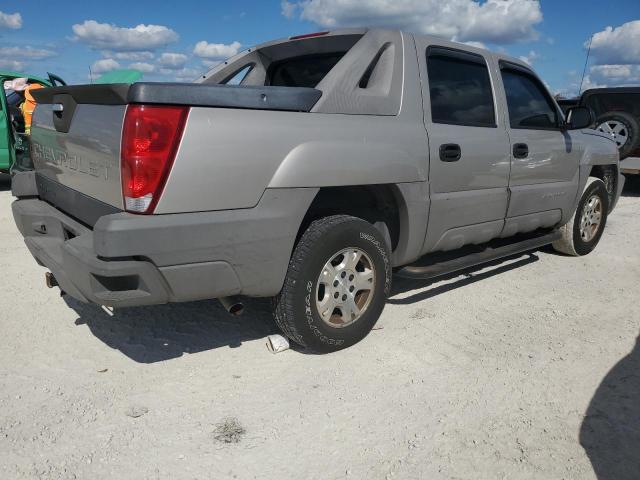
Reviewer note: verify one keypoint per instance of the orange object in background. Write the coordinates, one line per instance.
(29, 105)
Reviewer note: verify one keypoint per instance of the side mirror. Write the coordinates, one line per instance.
(579, 117)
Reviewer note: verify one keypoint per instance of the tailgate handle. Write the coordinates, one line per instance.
(63, 108)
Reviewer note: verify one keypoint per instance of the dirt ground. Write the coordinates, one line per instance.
(527, 369)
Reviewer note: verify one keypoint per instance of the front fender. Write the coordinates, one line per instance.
(599, 150)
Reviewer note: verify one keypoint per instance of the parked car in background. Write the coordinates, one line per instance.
(13, 144)
(617, 112)
(14, 126)
(331, 160)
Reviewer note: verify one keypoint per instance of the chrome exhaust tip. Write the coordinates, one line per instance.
(232, 305)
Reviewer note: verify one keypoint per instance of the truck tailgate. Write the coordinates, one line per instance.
(86, 157)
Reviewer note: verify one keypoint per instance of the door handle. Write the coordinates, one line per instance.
(450, 152)
(520, 150)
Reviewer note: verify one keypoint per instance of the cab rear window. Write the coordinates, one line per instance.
(307, 71)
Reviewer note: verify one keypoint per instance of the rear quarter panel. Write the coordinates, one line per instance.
(228, 157)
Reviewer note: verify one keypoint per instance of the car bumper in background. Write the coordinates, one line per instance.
(630, 166)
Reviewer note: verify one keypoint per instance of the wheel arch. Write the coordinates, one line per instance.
(609, 174)
(392, 208)
(599, 159)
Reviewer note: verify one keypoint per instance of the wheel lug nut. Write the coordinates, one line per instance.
(343, 274)
(336, 295)
(344, 297)
(351, 288)
(335, 284)
(351, 278)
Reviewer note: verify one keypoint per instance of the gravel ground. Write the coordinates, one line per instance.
(525, 369)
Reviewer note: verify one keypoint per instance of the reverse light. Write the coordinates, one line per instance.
(150, 138)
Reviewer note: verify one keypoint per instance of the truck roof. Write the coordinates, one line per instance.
(362, 32)
(599, 91)
(593, 91)
(472, 48)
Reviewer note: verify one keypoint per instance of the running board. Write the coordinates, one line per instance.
(487, 255)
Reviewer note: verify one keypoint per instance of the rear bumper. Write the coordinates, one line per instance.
(65, 247)
(630, 166)
(131, 260)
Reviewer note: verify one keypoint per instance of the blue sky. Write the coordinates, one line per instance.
(168, 43)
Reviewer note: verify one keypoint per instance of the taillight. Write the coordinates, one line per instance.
(150, 139)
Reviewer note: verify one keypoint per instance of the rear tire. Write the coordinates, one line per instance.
(336, 286)
(583, 232)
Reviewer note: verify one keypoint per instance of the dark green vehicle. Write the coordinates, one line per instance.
(13, 144)
(14, 147)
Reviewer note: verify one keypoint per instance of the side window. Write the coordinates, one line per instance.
(529, 104)
(459, 88)
(238, 77)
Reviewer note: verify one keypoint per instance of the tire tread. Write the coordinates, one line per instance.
(283, 308)
(566, 244)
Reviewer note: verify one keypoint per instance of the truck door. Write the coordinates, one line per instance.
(468, 148)
(544, 157)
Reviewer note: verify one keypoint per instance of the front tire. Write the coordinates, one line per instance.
(336, 286)
(583, 232)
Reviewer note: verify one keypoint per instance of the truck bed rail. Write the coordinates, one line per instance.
(292, 99)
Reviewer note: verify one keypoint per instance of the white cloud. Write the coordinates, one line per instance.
(10, 20)
(142, 67)
(530, 57)
(616, 55)
(216, 51)
(9, 64)
(182, 75)
(619, 45)
(211, 63)
(26, 52)
(104, 65)
(612, 71)
(288, 9)
(475, 44)
(492, 21)
(614, 75)
(132, 56)
(173, 60)
(588, 83)
(110, 37)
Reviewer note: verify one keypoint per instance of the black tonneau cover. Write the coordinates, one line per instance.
(293, 99)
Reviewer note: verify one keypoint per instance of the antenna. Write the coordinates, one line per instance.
(586, 61)
(90, 75)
